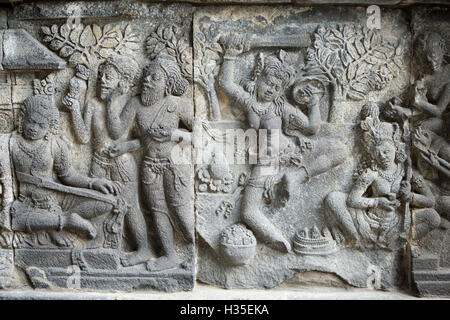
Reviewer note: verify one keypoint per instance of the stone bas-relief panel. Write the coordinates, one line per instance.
(430, 100)
(280, 139)
(317, 178)
(91, 196)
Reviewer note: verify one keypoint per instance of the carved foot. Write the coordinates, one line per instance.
(162, 263)
(77, 223)
(134, 258)
(60, 238)
(282, 245)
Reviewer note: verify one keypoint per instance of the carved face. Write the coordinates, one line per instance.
(34, 126)
(154, 86)
(385, 154)
(268, 88)
(109, 81)
(435, 57)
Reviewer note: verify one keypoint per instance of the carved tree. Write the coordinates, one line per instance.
(354, 60)
(208, 57)
(170, 41)
(91, 44)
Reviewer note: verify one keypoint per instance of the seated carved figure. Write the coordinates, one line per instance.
(37, 154)
(434, 153)
(368, 215)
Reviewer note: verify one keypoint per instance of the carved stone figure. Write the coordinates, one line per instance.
(111, 158)
(37, 152)
(432, 92)
(373, 221)
(167, 186)
(265, 105)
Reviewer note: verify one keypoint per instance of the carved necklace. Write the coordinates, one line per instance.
(391, 176)
(262, 110)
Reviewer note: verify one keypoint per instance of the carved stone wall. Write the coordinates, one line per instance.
(149, 146)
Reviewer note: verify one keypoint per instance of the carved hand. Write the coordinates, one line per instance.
(106, 186)
(233, 45)
(386, 204)
(421, 137)
(116, 150)
(70, 103)
(405, 191)
(432, 159)
(419, 97)
(178, 135)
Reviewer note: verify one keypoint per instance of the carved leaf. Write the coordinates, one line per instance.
(351, 71)
(352, 51)
(75, 34)
(345, 58)
(54, 29)
(359, 47)
(366, 41)
(128, 31)
(75, 58)
(56, 44)
(66, 51)
(87, 38)
(46, 30)
(371, 60)
(64, 30)
(331, 60)
(97, 31)
(338, 73)
(47, 38)
(109, 43)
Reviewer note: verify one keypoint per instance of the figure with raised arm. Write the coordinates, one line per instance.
(111, 156)
(37, 154)
(264, 102)
(167, 185)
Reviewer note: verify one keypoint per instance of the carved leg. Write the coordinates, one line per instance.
(433, 124)
(258, 222)
(328, 153)
(425, 220)
(335, 203)
(443, 206)
(137, 228)
(155, 199)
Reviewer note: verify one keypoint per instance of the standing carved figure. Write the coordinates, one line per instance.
(432, 93)
(167, 186)
(266, 107)
(111, 158)
(368, 215)
(37, 153)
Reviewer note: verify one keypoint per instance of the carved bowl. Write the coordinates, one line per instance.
(237, 255)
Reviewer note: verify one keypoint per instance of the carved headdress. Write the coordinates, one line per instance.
(42, 107)
(276, 65)
(176, 84)
(127, 67)
(376, 132)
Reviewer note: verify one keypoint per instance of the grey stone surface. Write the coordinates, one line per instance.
(146, 146)
(91, 196)
(299, 210)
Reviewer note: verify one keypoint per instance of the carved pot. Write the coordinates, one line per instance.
(237, 255)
